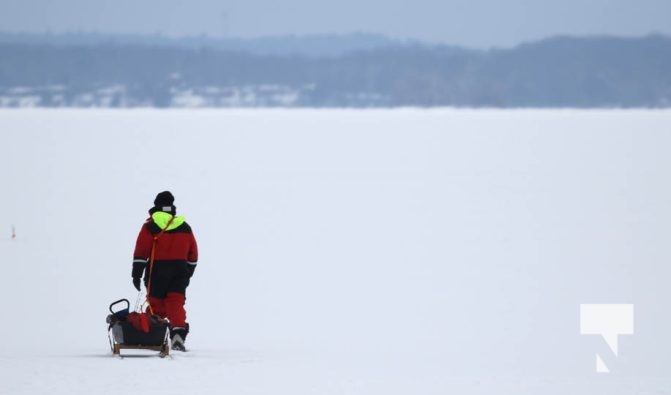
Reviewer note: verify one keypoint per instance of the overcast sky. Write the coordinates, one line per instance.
(473, 23)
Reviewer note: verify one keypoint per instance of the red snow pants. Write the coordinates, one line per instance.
(170, 307)
(169, 280)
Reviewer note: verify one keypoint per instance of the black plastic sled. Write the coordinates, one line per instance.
(124, 335)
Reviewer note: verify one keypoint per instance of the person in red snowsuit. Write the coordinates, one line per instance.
(170, 241)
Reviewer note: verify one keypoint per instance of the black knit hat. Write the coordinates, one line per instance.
(164, 198)
(164, 202)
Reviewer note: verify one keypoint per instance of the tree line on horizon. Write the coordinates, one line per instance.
(580, 72)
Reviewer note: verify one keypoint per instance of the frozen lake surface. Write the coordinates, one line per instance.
(342, 251)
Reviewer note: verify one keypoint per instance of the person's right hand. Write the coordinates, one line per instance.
(136, 283)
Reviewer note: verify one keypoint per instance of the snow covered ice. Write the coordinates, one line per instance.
(342, 251)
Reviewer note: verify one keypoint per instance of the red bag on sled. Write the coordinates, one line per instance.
(140, 321)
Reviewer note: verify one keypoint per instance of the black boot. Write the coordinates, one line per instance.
(178, 336)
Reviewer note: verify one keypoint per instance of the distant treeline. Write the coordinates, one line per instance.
(557, 72)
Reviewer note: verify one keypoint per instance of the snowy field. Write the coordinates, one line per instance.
(342, 252)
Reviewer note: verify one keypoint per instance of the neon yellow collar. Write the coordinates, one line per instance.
(161, 219)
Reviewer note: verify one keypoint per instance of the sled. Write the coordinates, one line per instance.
(124, 335)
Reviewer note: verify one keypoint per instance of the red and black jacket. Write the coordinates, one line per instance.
(176, 245)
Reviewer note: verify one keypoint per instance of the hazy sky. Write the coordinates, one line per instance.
(476, 23)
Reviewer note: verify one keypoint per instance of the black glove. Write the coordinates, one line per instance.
(138, 268)
(190, 268)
